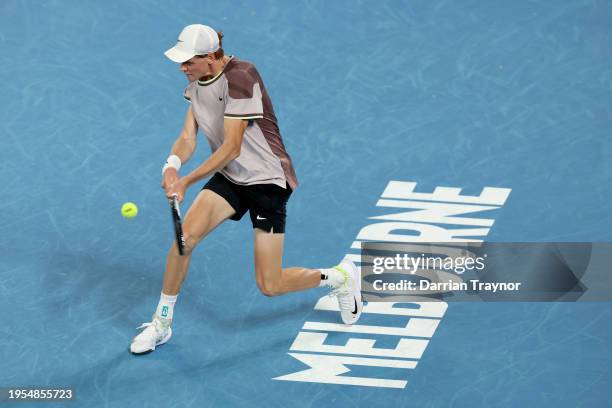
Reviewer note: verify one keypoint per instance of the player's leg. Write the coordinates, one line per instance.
(268, 210)
(271, 278)
(206, 213)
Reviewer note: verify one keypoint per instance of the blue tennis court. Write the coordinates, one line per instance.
(511, 97)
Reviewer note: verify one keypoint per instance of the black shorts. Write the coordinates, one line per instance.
(266, 203)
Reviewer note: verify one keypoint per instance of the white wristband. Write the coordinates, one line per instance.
(173, 161)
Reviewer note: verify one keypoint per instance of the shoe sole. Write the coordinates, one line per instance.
(356, 296)
(360, 304)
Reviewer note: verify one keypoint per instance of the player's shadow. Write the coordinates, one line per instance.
(96, 285)
(116, 377)
(258, 317)
(100, 287)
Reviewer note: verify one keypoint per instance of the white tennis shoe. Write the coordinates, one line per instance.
(348, 292)
(155, 333)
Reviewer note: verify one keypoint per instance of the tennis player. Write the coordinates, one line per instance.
(251, 171)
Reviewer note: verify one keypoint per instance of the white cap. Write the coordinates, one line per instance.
(195, 39)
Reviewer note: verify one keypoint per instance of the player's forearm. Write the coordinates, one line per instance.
(218, 160)
(183, 148)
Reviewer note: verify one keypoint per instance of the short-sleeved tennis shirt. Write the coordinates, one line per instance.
(238, 92)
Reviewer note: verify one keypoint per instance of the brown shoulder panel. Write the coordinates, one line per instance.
(241, 77)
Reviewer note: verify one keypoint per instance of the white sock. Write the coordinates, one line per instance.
(331, 277)
(165, 307)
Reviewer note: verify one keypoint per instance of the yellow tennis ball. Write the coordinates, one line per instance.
(129, 210)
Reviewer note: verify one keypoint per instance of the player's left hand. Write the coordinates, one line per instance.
(177, 188)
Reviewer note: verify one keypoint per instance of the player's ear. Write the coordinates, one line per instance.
(205, 57)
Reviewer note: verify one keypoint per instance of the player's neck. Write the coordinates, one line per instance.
(216, 68)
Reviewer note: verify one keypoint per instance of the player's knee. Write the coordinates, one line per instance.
(269, 288)
(270, 291)
(190, 243)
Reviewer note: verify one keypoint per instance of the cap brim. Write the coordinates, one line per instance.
(178, 56)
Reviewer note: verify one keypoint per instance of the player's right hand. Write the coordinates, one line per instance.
(170, 177)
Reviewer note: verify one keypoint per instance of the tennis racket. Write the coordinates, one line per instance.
(178, 226)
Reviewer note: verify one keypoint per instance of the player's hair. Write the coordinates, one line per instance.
(219, 53)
